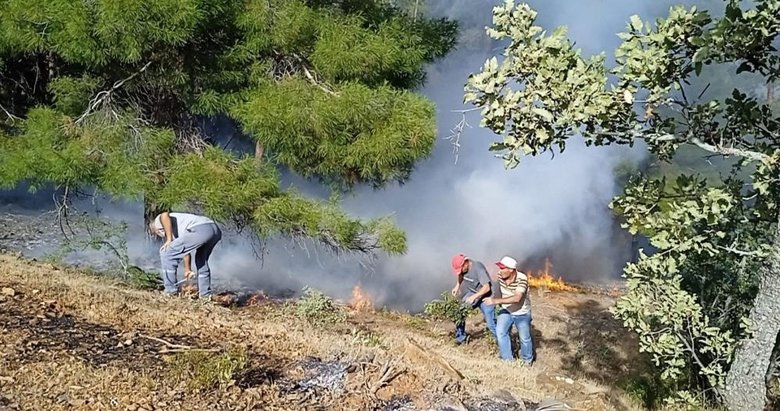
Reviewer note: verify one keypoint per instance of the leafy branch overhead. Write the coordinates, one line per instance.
(542, 92)
(93, 94)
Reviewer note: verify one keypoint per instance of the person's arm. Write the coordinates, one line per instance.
(458, 282)
(187, 266)
(165, 220)
(483, 291)
(513, 299)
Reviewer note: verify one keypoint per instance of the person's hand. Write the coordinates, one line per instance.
(189, 274)
(165, 245)
(472, 299)
(489, 301)
(455, 291)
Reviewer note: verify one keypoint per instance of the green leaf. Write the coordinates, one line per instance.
(745, 66)
(543, 113)
(636, 22)
(701, 54)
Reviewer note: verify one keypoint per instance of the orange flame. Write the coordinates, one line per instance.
(544, 279)
(256, 298)
(360, 300)
(189, 289)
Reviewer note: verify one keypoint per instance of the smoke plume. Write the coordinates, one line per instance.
(457, 201)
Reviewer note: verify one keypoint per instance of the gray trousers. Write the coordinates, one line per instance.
(201, 239)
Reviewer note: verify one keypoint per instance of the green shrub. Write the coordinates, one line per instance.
(448, 308)
(142, 279)
(205, 370)
(318, 309)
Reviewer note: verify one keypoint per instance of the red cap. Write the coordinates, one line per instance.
(457, 263)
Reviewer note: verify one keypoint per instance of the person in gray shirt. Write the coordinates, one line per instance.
(472, 286)
(183, 234)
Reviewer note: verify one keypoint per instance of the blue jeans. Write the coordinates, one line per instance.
(504, 330)
(201, 239)
(488, 311)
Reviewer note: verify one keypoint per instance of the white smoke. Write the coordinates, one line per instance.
(554, 208)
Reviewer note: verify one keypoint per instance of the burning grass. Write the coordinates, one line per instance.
(545, 279)
(361, 301)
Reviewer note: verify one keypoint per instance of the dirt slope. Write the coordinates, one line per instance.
(75, 341)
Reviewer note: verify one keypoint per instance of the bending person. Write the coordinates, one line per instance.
(183, 234)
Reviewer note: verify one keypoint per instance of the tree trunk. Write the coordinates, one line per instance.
(259, 149)
(746, 381)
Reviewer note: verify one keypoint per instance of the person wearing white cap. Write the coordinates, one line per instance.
(515, 308)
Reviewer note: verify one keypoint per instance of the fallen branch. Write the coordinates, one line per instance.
(437, 359)
(180, 350)
(388, 374)
(168, 344)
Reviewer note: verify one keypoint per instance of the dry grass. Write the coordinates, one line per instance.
(576, 339)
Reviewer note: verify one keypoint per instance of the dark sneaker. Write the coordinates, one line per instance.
(465, 340)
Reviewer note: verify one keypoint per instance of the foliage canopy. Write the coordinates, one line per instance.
(110, 95)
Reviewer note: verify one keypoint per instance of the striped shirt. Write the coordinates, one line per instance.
(518, 286)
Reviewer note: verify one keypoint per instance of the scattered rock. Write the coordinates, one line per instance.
(504, 396)
(8, 291)
(552, 405)
(398, 403)
(452, 404)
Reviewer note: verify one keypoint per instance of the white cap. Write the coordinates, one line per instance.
(507, 262)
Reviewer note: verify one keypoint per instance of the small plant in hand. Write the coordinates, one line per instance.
(448, 308)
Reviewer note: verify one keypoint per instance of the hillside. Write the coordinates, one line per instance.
(72, 340)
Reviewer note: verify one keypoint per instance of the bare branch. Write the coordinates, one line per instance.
(314, 81)
(106, 94)
(756, 253)
(730, 151)
(457, 131)
(11, 117)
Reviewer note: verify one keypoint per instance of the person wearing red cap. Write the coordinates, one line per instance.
(515, 309)
(472, 286)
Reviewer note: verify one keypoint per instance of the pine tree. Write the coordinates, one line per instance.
(98, 94)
